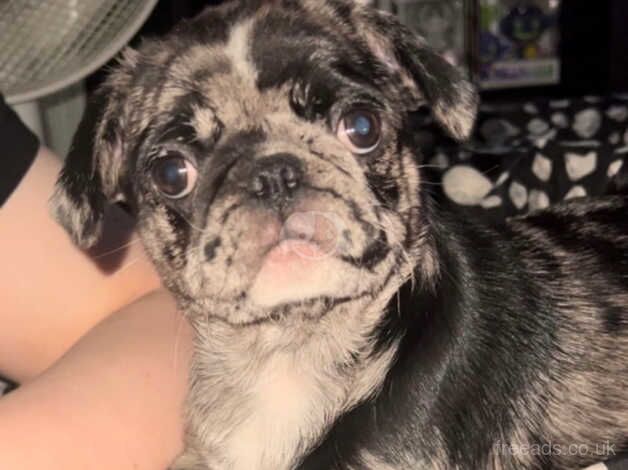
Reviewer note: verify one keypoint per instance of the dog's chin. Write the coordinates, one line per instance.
(295, 271)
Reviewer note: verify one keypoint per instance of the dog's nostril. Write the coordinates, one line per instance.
(290, 177)
(276, 177)
(258, 186)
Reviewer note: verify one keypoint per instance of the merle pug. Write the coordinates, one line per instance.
(342, 320)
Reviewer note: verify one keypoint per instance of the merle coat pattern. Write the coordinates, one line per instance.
(421, 340)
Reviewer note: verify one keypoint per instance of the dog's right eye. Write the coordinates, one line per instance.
(360, 130)
(174, 175)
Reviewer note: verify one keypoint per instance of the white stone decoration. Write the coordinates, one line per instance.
(518, 195)
(576, 191)
(531, 108)
(491, 202)
(542, 167)
(587, 123)
(538, 126)
(538, 200)
(502, 178)
(541, 141)
(559, 104)
(465, 185)
(464, 155)
(592, 99)
(614, 168)
(560, 120)
(618, 113)
(578, 166)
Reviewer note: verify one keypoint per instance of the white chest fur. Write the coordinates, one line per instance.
(262, 397)
(287, 410)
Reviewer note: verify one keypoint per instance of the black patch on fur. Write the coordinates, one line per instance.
(179, 128)
(374, 253)
(594, 237)
(280, 48)
(385, 188)
(342, 9)
(472, 341)
(210, 26)
(230, 163)
(615, 319)
(174, 252)
(283, 45)
(211, 249)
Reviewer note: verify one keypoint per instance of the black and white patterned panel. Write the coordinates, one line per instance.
(527, 156)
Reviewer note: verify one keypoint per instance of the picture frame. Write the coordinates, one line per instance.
(518, 44)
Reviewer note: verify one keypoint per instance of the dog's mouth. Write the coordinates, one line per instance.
(295, 251)
(305, 254)
(308, 235)
(302, 261)
(266, 260)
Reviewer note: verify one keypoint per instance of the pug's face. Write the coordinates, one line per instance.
(266, 148)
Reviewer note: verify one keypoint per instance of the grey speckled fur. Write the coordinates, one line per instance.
(424, 341)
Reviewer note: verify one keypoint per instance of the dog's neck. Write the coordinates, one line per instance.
(341, 338)
(286, 380)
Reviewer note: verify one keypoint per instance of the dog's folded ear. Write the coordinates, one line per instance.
(89, 179)
(428, 78)
(78, 202)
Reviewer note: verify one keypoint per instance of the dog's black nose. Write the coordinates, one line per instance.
(275, 178)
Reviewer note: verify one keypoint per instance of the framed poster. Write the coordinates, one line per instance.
(518, 43)
(442, 22)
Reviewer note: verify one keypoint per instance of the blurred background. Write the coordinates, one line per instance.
(569, 47)
(513, 49)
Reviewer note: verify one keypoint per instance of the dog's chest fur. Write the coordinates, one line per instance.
(272, 412)
(253, 405)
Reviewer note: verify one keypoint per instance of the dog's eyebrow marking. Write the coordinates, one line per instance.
(204, 121)
(191, 120)
(238, 50)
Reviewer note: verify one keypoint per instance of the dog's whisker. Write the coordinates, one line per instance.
(130, 264)
(431, 166)
(202, 231)
(116, 250)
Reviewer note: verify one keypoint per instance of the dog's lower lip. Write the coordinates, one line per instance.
(295, 250)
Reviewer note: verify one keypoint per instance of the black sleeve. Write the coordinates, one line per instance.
(18, 148)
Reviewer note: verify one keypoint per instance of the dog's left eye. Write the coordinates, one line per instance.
(174, 175)
(360, 130)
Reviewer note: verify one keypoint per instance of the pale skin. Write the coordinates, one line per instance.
(102, 353)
